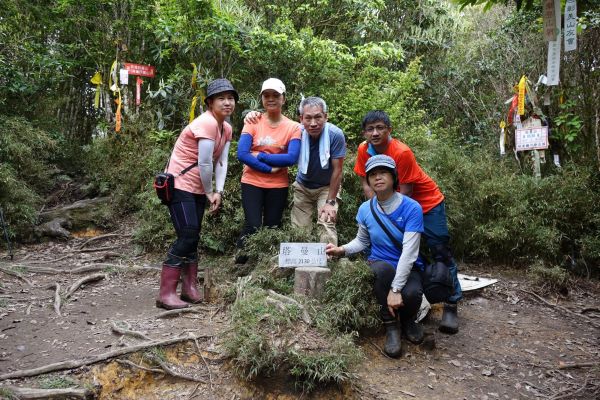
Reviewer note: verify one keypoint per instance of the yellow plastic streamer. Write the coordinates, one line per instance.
(521, 105)
(194, 76)
(193, 108)
(97, 80)
(112, 78)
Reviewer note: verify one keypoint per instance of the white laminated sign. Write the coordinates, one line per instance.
(293, 255)
(531, 138)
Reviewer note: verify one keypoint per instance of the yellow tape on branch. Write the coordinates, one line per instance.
(522, 84)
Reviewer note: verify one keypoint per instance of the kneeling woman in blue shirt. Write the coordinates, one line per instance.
(398, 284)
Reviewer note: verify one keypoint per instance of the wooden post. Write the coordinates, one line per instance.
(310, 281)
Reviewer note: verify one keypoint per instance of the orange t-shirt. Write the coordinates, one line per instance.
(270, 140)
(185, 151)
(425, 191)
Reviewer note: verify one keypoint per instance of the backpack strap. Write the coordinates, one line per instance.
(382, 225)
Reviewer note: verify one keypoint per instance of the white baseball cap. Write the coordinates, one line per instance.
(273, 84)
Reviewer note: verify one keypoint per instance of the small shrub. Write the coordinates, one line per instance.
(57, 382)
(554, 277)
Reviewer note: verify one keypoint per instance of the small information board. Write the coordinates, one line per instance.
(532, 138)
(292, 255)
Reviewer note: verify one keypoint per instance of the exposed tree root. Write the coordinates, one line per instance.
(100, 237)
(31, 393)
(85, 279)
(561, 308)
(72, 364)
(193, 310)
(128, 332)
(16, 275)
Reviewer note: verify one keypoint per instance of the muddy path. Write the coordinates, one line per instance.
(513, 343)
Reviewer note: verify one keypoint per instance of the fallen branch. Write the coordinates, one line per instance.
(106, 235)
(16, 275)
(128, 332)
(31, 393)
(85, 279)
(567, 365)
(85, 268)
(72, 364)
(193, 310)
(563, 309)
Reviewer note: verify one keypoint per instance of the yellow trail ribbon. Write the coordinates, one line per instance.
(194, 76)
(112, 77)
(97, 80)
(522, 84)
(193, 108)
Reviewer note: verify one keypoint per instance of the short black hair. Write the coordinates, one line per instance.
(375, 116)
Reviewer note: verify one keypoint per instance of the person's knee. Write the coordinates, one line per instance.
(383, 271)
(412, 295)
(441, 252)
(186, 244)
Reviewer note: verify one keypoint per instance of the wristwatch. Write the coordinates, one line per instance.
(331, 202)
(396, 290)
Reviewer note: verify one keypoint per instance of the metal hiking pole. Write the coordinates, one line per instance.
(10, 252)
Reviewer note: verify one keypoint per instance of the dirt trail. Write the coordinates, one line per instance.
(510, 345)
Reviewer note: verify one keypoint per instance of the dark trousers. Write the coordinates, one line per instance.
(261, 207)
(412, 293)
(187, 210)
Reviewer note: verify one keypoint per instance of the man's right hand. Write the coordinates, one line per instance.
(252, 117)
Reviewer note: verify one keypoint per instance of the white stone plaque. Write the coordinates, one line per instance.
(532, 138)
(292, 255)
(124, 76)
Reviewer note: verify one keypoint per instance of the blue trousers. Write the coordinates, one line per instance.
(438, 239)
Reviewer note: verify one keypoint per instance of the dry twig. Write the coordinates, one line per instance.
(128, 332)
(568, 365)
(99, 237)
(166, 369)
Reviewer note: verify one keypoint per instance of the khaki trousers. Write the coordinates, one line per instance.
(305, 202)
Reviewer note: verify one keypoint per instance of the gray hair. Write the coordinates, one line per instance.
(312, 101)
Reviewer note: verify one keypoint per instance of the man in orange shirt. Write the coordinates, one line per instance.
(415, 183)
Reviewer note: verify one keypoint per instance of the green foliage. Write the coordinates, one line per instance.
(348, 303)
(569, 126)
(26, 171)
(57, 382)
(8, 394)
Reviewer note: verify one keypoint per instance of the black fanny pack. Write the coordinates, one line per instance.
(164, 184)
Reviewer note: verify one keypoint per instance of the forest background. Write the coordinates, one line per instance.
(442, 73)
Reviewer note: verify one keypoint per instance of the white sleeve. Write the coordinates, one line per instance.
(359, 243)
(410, 252)
(221, 168)
(205, 163)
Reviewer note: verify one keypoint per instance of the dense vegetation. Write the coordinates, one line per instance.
(443, 74)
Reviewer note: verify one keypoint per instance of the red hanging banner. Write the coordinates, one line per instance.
(140, 70)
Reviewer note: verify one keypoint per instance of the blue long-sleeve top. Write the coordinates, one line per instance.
(263, 162)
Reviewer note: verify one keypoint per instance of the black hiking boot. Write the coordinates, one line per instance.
(449, 322)
(393, 343)
(413, 330)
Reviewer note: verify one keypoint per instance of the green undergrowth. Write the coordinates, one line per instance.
(311, 341)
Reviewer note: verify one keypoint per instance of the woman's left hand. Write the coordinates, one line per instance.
(215, 202)
(394, 301)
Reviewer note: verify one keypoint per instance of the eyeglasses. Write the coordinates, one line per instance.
(378, 128)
